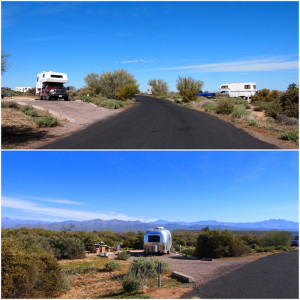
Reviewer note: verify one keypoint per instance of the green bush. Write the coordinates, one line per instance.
(270, 249)
(290, 136)
(188, 88)
(240, 111)
(219, 243)
(225, 107)
(29, 110)
(210, 107)
(289, 101)
(29, 275)
(147, 268)
(65, 247)
(131, 283)
(112, 266)
(241, 101)
(260, 105)
(85, 98)
(9, 104)
(189, 251)
(47, 121)
(273, 109)
(276, 238)
(127, 91)
(124, 255)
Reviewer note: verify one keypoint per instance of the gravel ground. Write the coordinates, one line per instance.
(204, 271)
(81, 112)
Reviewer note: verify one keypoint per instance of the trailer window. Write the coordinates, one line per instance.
(247, 87)
(56, 76)
(224, 87)
(254, 86)
(154, 238)
(37, 79)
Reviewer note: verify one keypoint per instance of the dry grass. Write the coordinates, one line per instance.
(102, 284)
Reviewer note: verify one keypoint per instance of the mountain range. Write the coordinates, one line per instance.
(125, 226)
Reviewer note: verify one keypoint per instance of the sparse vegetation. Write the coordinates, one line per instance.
(290, 136)
(47, 121)
(112, 266)
(188, 88)
(225, 107)
(9, 104)
(29, 110)
(123, 255)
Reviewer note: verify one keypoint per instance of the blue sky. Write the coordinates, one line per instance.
(215, 42)
(236, 186)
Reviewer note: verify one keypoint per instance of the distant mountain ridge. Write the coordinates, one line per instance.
(124, 226)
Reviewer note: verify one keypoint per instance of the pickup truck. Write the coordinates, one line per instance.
(207, 95)
(54, 90)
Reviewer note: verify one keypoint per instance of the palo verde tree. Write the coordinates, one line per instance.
(4, 62)
(159, 87)
(188, 88)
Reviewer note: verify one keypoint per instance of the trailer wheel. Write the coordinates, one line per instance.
(48, 97)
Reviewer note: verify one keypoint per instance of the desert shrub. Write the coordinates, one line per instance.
(109, 82)
(159, 87)
(112, 266)
(260, 105)
(210, 107)
(240, 111)
(273, 109)
(85, 98)
(204, 102)
(188, 88)
(29, 275)
(286, 120)
(290, 136)
(29, 110)
(250, 239)
(189, 251)
(225, 107)
(270, 249)
(47, 121)
(124, 255)
(217, 243)
(276, 238)
(81, 269)
(266, 95)
(9, 104)
(65, 247)
(241, 101)
(289, 101)
(127, 91)
(131, 283)
(147, 268)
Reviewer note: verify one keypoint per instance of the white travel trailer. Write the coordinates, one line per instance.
(158, 240)
(49, 77)
(239, 89)
(23, 89)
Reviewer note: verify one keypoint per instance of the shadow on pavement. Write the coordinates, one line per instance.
(272, 277)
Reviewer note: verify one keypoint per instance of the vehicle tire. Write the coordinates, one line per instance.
(40, 97)
(66, 98)
(48, 97)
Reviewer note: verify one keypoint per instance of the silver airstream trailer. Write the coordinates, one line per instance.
(158, 240)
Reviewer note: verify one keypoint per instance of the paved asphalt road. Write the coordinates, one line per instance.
(272, 277)
(160, 124)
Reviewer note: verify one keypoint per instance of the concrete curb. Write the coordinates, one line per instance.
(182, 277)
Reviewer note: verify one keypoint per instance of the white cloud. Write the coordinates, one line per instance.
(58, 201)
(65, 214)
(267, 64)
(137, 61)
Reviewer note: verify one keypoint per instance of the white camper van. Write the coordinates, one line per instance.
(51, 85)
(239, 89)
(158, 240)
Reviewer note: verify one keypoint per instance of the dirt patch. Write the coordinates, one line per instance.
(20, 132)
